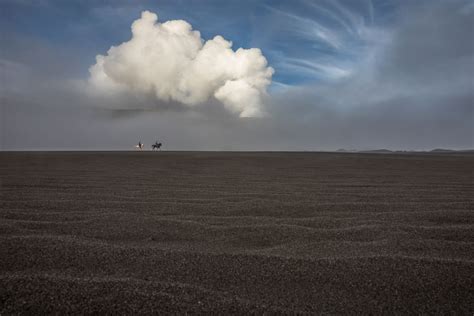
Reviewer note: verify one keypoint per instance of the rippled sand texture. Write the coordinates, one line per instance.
(236, 232)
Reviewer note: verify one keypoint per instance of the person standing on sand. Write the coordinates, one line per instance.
(140, 145)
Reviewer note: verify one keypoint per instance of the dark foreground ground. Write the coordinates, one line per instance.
(236, 232)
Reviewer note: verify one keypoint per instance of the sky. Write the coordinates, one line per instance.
(237, 75)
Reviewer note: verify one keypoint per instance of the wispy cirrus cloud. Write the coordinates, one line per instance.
(308, 28)
(315, 69)
(334, 38)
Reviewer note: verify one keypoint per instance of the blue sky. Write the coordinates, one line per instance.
(303, 40)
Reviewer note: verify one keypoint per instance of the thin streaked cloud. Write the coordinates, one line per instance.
(308, 28)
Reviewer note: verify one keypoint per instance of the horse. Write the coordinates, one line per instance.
(156, 145)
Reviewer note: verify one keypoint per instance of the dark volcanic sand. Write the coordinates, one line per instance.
(236, 232)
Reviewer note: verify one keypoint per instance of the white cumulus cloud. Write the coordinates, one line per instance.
(172, 62)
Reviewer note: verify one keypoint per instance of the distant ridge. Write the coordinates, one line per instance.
(380, 151)
(441, 150)
(387, 151)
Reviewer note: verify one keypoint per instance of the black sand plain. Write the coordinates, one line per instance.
(208, 232)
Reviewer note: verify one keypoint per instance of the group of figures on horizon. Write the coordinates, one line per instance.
(155, 146)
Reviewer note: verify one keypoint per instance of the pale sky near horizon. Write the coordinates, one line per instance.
(258, 75)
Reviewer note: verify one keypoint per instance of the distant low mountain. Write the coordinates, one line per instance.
(380, 151)
(441, 150)
(388, 151)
